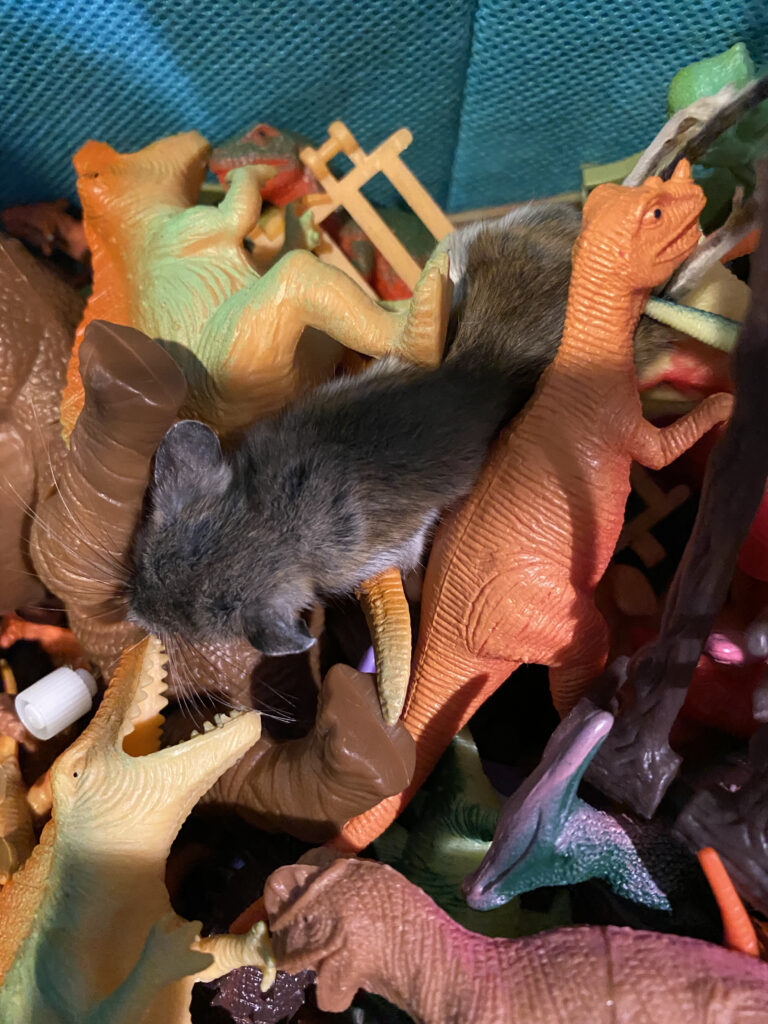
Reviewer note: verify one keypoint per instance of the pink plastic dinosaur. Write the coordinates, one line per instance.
(360, 924)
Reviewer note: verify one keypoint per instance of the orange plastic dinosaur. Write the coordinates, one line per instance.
(512, 574)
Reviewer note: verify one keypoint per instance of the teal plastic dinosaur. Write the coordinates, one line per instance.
(547, 835)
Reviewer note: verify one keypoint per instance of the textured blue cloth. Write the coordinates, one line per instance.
(129, 71)
(505, 98)
(552, 84)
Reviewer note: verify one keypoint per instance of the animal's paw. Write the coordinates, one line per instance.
(168, 952)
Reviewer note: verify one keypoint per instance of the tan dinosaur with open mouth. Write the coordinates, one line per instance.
(87, 932)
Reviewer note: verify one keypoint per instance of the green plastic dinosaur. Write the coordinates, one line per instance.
(87, 933)
(179, 271)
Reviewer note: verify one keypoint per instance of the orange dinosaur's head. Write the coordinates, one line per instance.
(170, 170)
(649, 230)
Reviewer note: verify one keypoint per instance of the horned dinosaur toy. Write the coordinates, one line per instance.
(360, 924)
(87, 932)
(512, 573)
(180, 272)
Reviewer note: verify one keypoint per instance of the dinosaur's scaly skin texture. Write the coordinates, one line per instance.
(180, 272)
(87, 932)
(38, 315)
(512, 574)
(360, 924)
(17, 837)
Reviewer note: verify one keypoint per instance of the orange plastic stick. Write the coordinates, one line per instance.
(738, 930)
(249, 917)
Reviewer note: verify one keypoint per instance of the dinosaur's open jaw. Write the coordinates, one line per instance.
(139, 732)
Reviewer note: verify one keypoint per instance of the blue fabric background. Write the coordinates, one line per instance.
(505, 98)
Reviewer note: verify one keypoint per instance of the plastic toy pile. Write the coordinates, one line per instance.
(523, 779)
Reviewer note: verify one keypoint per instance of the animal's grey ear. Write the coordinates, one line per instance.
(189, 463)
(273, 635)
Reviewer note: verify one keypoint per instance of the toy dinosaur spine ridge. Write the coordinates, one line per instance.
(21, 896)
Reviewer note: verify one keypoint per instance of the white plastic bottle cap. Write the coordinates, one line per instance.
(56, 701)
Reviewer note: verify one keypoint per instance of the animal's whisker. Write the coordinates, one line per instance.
(99, 566)
(214, 691)
(78, 522)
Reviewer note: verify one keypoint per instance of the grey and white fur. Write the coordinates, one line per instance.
(350, 479)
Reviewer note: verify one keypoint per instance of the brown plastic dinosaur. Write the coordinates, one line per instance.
(87, 932)
(360, 924)
(512, 573)
(310, 786)
(38, 315)
(81, 544)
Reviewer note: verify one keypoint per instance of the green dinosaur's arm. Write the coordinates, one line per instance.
(228, 952)
(241, 205)
(167, 956)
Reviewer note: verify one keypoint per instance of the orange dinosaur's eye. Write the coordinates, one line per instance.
(652, 216)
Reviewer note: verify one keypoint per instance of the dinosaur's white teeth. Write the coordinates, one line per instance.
(220, 719)
(207, 726)
(193, 734)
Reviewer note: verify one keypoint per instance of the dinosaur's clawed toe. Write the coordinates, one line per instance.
(169, 950)
(424, 333)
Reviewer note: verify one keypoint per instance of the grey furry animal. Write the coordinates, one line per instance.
(350, 479)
